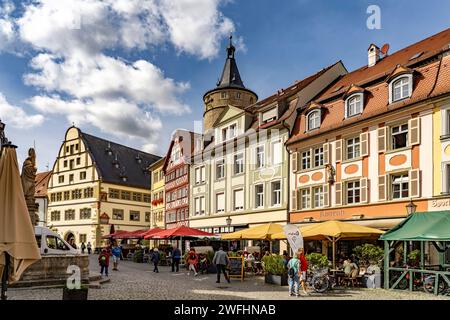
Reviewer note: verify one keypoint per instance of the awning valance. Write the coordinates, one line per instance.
(422, 226)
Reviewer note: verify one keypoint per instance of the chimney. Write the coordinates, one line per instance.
(373, 54)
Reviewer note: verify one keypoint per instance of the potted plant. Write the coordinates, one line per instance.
(317, 260)
(138, 256)
(414, 258)
(370, 257)
(75, 294)
(368, 254)
(275, 270)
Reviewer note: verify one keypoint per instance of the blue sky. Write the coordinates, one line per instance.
(279, 42)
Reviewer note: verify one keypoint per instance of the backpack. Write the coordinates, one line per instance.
(291, 271)
(103, 260)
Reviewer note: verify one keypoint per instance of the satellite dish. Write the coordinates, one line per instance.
(385, 49)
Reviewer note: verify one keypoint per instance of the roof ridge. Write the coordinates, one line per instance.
(119, 144)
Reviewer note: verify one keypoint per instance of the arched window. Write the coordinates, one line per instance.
(354, 105)
(313, 119)
(400, 88)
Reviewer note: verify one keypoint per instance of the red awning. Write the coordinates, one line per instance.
(115, 234)
(152, 232)
(181, 231)
(138, 234)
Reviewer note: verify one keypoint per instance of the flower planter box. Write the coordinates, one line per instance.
(275, 279)
(75, 294)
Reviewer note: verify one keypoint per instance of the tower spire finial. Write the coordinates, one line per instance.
(230, 48)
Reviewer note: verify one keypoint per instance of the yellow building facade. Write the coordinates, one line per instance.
(94, 177)
(158, 204)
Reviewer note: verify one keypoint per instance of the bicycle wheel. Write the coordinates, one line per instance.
(428, 285)
(320, 284)
(402, 285)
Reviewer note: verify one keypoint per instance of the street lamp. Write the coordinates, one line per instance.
(228, 221)
(410, 207)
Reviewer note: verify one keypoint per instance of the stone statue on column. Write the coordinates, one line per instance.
(29, 185)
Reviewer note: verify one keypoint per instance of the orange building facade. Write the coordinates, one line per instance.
(364, 148)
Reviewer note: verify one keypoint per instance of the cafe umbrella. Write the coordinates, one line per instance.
(18, 247)
(334, 231)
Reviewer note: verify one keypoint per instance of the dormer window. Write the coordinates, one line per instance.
(400, 88)
(354, 105)
(229, 132)
(269, 115)
(313, 120)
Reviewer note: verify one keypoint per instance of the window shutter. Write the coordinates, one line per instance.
(338, 150)
(294, 161)
(414, 131)
(382, 139)
(338, 186)
(326, 157)
(326, 201)
(294, 202)
(414, 183)
(364, 139)
(382, 194)
(364, 185)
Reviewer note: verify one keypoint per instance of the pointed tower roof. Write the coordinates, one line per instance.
(230, 77)
(230, 74)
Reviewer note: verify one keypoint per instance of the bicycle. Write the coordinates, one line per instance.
(320, 280)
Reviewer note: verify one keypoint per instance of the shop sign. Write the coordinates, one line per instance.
(331, 214)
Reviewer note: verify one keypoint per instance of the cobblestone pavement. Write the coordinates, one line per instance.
(137, 281)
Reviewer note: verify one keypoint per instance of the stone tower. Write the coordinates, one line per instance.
(229, 90)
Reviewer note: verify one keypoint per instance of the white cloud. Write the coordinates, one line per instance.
(196, 26)
(103, 77)
(78, 68)
(126, 118)
(7, 32)
(16, 116)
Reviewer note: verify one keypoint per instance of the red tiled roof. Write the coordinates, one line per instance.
(429, 46)
(41, 181)
(431, 79)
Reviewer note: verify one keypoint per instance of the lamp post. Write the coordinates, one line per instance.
(411, 208)
(228, 221)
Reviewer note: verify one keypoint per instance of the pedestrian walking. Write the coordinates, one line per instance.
(221, 261)
(89, 247)
(103, 260)
(192, 261)
(83, 247)
(176, 257)
(116, 253)
(155, 259)
(303, 270)
(294, 276)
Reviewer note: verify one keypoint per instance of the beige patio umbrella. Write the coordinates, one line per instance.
(17, 240)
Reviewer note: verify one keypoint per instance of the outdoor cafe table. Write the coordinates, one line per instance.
(338, 275)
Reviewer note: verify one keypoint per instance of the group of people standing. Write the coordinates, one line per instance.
(113, 251)
(297, 268)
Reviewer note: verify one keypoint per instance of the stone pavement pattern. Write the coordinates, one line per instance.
(137, 281)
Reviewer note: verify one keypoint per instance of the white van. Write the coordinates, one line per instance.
(49, 242)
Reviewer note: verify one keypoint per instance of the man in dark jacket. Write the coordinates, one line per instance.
(221, 261)
(176, 257)
(155, 259)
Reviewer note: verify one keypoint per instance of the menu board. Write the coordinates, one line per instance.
(236, 267)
